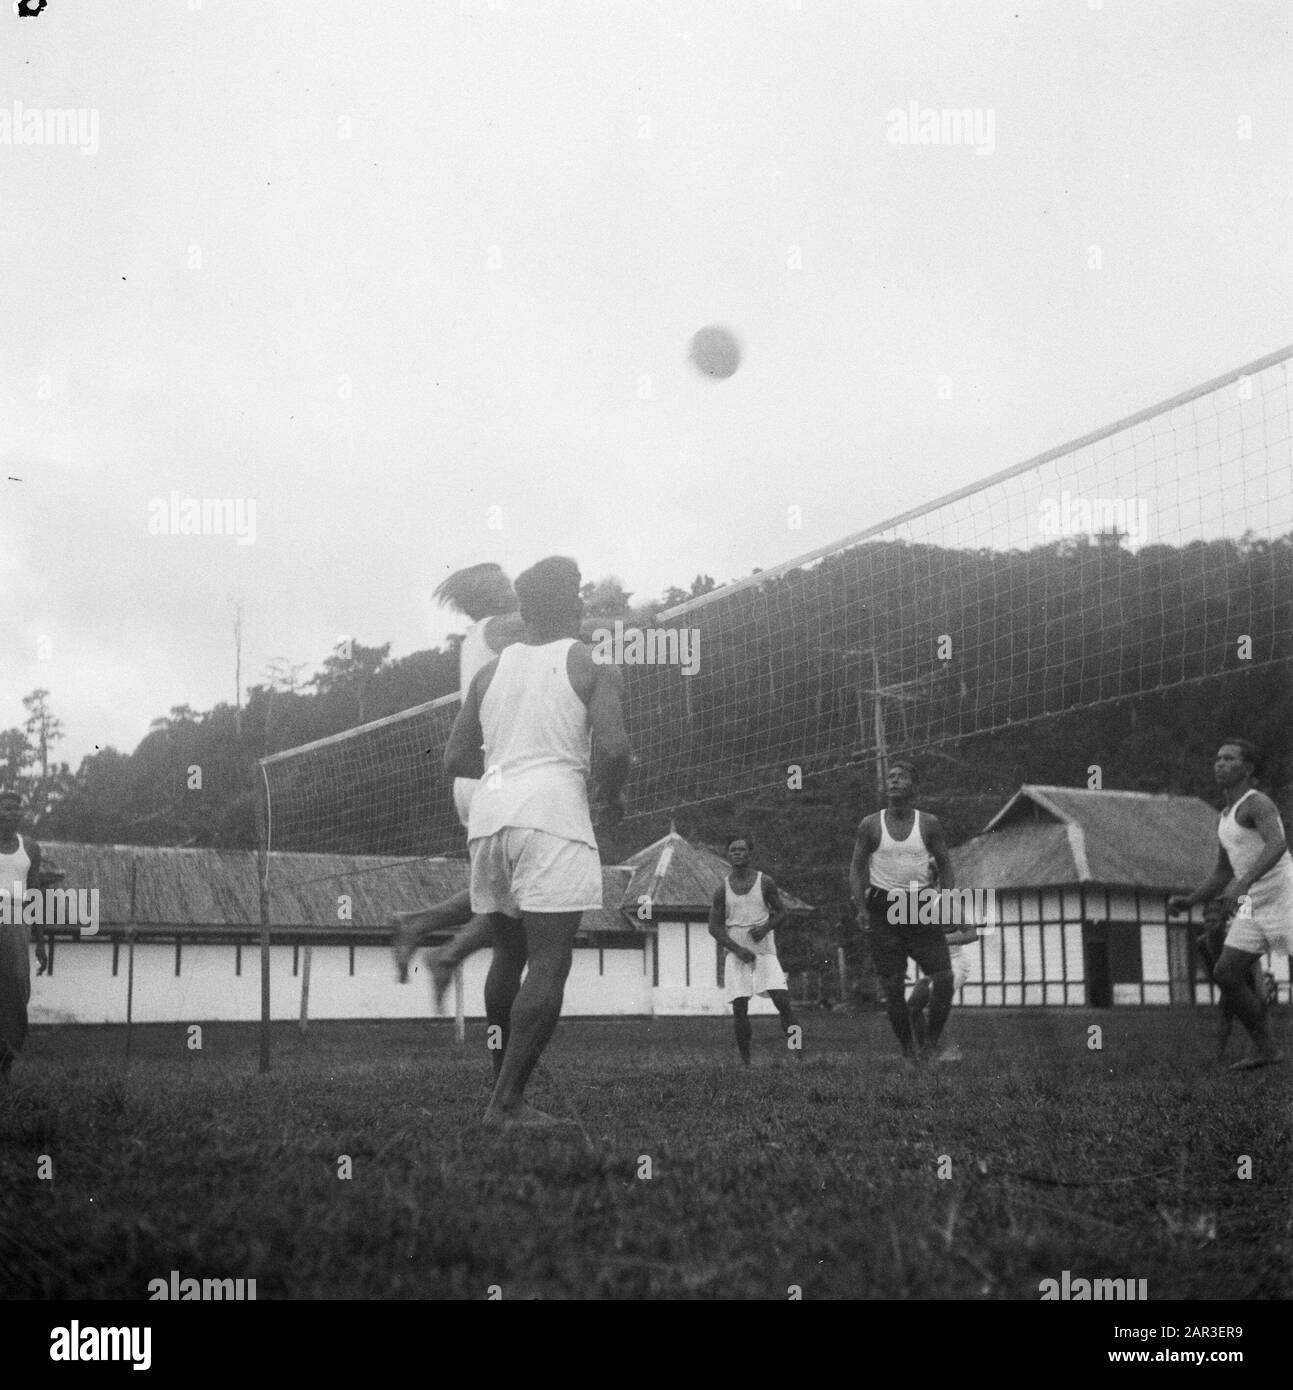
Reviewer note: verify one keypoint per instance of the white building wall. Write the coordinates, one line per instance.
(83, 988)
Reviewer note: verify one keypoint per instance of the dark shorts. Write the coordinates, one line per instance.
(891, 945)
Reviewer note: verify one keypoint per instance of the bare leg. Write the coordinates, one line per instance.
(503, 982)
(443, 961)
(940, 1004)
(916, 1005)
(781, 1002)
(895, 1003)
(1234, 977)
(549, 940)
(412, 928)
(741, 1016)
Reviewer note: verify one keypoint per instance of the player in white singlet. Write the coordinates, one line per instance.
(484, 594)
(540, 718)
(745, 912)
(897, 850)
(19, 871)
(1253, 881)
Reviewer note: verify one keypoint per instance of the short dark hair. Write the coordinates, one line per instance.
(1249, 750)
(549, 591)
(904, 762)
(746, 839)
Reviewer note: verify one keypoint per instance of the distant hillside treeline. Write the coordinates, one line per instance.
(1096, 612)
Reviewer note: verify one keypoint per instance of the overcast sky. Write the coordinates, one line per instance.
(419, 280)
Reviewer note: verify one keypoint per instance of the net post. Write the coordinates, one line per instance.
(305, 989)
(459, 1017)
(262, 863)
(130, 958)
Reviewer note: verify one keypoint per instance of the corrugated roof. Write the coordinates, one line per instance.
(212, 887)
(675, 873)
(1052, 836)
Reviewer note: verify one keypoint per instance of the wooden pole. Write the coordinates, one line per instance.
(305, 989)
(881, 753)
(844, 974)
(262, 817)
(130, 957)
(459, 1017)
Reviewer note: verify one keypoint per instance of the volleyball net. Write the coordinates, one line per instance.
(1152, 553)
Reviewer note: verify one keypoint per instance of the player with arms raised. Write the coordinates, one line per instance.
(484, 594)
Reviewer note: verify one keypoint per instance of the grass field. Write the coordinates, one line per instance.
(821, 1173)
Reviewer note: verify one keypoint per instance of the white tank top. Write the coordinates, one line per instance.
(13, 871)
(900, 863)
(746, 909)
(474, 653)
(538, 747)
(1243, 846)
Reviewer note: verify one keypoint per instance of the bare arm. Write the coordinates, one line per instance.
(777, 909)
(1266, 821)
(611, 753)
(601, 688)
(936, 843)
(1207, 890)
(463, 754)
(718, 926)
(33, 881)
(860, 866)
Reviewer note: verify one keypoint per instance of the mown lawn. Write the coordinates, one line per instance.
(685, 1177)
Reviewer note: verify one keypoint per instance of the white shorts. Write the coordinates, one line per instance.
(741, 979)
(464, 788)
(1268, 926)
(521, 870)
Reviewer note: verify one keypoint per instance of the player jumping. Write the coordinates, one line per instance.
(745, 912)
(1253, 880)
(484, 594)
(893, 853)
(546, 714)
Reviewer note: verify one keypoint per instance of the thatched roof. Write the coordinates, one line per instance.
(212, 888)
(1046, 837)
(676, 874)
